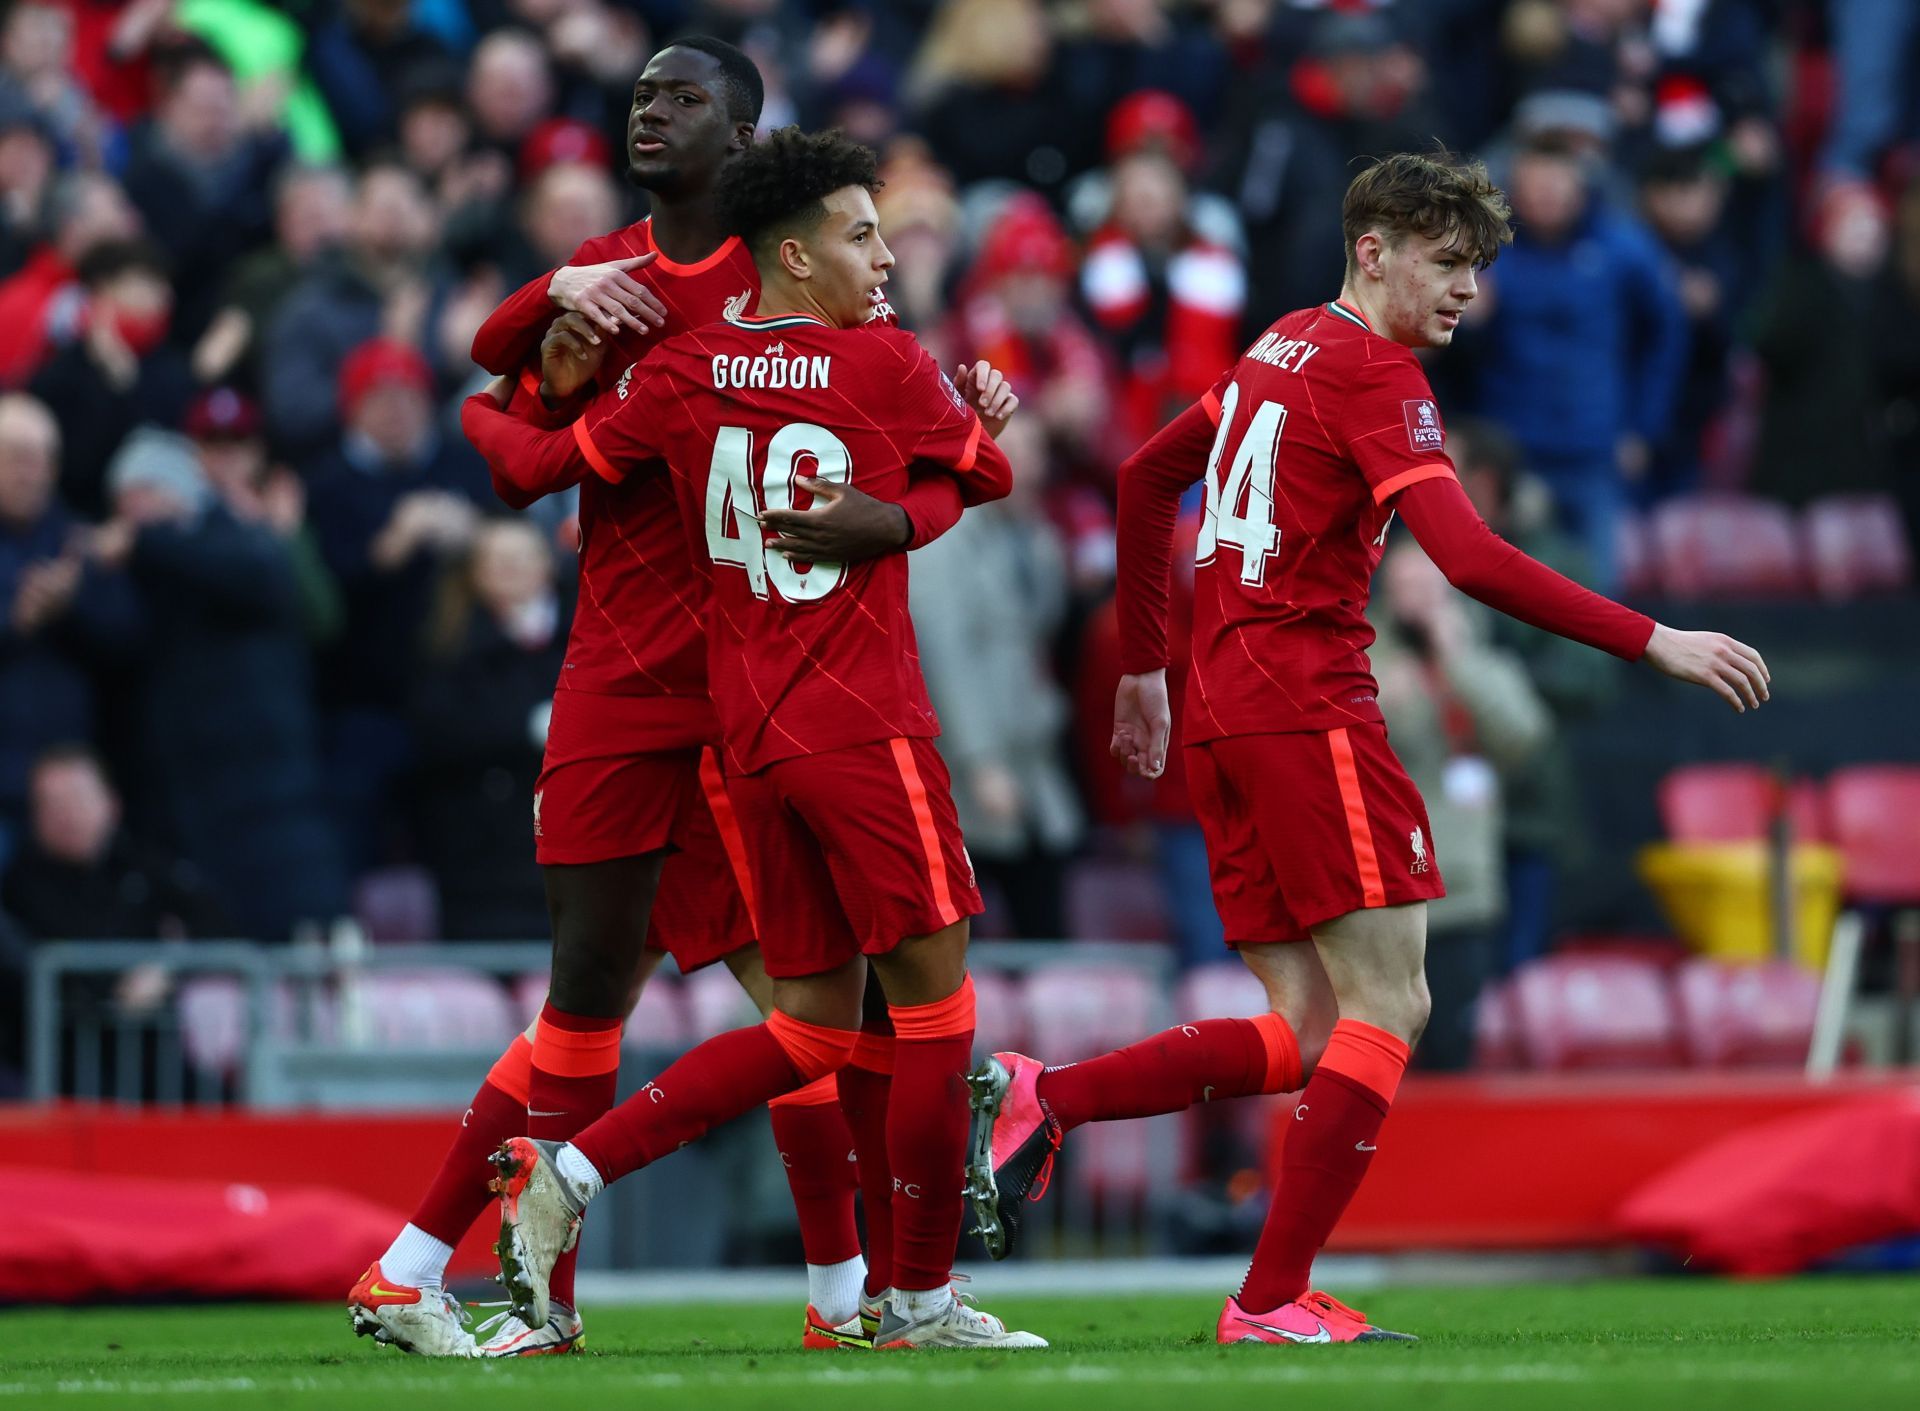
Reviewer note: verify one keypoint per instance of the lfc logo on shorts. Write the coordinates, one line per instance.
(1417, 840)
(538, 795)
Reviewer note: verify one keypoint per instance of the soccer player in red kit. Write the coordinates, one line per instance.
(632, 826)
(827, 731)
(1321, 855)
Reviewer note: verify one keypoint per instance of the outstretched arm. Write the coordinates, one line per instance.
(1152, 481)
(1484, 566)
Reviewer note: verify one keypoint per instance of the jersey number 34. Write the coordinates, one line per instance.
(734, 535)
(1239, 511)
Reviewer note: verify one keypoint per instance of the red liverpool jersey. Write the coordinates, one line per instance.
(800, 659)
(637, 642)
(1319, 425)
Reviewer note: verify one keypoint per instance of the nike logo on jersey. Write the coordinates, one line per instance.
(1365, 1146)
(1320, 1335)
(532, 1113)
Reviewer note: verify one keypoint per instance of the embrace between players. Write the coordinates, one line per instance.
(741, 766)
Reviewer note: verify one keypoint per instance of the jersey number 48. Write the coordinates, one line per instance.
(734, 535)
(1240, 504)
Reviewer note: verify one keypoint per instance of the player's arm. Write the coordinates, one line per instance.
(604, 292)
(1152, 481)
(612, 435)
(845, 525)
(1483, 565)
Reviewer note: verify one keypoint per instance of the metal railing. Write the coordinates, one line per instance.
(301, 1044)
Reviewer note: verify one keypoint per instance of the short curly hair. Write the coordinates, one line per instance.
(1433, 194)
(778, 185)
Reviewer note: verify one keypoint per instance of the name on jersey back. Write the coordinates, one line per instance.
(1287, 354)
(773, 368)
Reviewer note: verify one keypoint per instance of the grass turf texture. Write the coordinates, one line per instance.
(1684, 1342)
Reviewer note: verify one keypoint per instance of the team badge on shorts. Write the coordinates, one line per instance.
(1417, 840)
(537, 796)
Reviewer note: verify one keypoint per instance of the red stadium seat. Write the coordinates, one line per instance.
(1000, 1004)
(438, 1008)
(1746, 1015)
(715, 1003)
(1734, 803)
(212, 1013)
(398, 904)
(1856, 545)
(1227, 990)
(1113, 901)
(1635, 554)
(1595, 1011)
(1875, 814)
(1725, 546)
(1496, 1031)
(1078, 1011)
(660, 1020)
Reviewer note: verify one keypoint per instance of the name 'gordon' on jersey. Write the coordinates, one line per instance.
(774, 370)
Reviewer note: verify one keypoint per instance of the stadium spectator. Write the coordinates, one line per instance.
(65, 620)
(987, 598)
(994, 56)
(1876, 54)
(28, 162)
(82, 876)
(41, 301)
(1544, 832)
(1683, 197)
(389, 505)
(381, 281)
(1168, 300)
(1289, 129)
(1464, 716)
(479, 709)
(1896, 347)
(1580, 344)
(229, 738)
(202, 180)
(361, 57)
(37, 66)
(922, 220)
(509, 89)
(225, 429)
(1811, 334)
(312, 214)
(119, 370)
(1015, 309)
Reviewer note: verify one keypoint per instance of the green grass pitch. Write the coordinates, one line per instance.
(1828, 1343)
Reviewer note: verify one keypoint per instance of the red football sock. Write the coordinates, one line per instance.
(1207, 1061)
(459, 1193)
(927, 1135)
(576, 1067)
(710, 1084)
(817, 1150)
(1328, 1148)
(866, 1084)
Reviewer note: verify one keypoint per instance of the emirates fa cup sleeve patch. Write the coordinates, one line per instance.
(1423, 425)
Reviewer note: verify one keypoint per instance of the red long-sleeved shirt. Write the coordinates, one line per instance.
(1309, 444)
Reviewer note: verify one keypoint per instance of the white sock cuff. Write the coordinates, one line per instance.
(584, 1175)
(834, 1289)
(416, 1259)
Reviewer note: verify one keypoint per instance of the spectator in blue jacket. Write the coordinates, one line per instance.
(60, 618)
(1583, 343)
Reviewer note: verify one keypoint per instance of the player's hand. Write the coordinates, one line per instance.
(570, 357)
(842, 525)
(1142, 721)
(1731, 670)
(608, 296)
(989, 393)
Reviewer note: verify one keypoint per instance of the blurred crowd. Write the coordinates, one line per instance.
(266, 633)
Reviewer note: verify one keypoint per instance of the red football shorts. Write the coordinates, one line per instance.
(596, 810)
(1307, 826)
(856, 850)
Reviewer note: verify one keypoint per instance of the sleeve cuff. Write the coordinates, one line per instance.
(1393, 485)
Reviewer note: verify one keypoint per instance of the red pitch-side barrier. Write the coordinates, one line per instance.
(1465, 1163)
